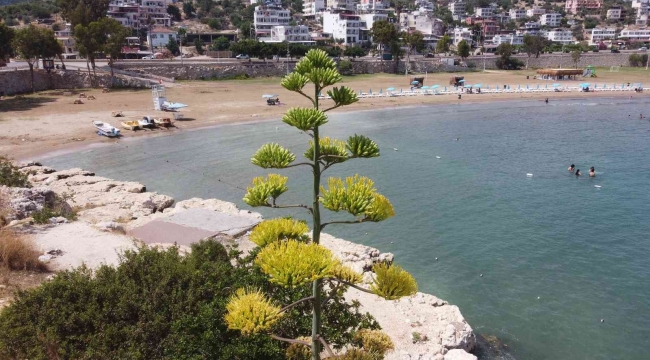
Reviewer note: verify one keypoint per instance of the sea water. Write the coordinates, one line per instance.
(557, 253)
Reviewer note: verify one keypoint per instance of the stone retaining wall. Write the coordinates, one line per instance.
(19, 81)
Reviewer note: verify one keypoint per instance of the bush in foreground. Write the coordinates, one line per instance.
(10, 175)
(157, 304)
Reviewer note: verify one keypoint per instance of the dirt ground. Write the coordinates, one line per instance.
(37, 125)
(12, 281)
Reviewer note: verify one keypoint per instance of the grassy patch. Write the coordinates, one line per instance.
(17, 252)
(59, 208)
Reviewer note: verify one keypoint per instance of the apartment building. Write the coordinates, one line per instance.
(517, 14)
(489, 27)
(513, 39)
(371, 5)
(139, 13)
(562, 36)
(425, 5)
(312, 7)
(266, 17)
(159, 37)
(341, 5)
(641, 35)
(601, 34)
(66, 39)
(298, 34)
(614, 13)
(457, 8)
(589, 6)
(459, 34)
(551, 19)
(536, 11)
(531, 28)
(342, 26)
(484, 12)
(423, 22)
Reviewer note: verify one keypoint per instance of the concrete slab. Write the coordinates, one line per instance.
(162, 232)
(214, 221)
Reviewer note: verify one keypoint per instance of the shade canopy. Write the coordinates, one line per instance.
(269, 96)
(435, 86)
(556, 85)
(390, 89)
(415, 82)
(478, 85)
(173, 105)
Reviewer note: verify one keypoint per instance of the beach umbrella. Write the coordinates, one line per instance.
(546, 86)
(556, 85)
(414, 83)
(527, 88)
(360, 92)
(468, 86)
(425, 87)
(518, 86)
(584, 85)
(508, 87)
(381, 91)
(488, 87)
(269, 96)
(478, 86)
(390, 89)
(538, 86)
(435, 86)
(462, 81)
(370, 91)
(445, 89)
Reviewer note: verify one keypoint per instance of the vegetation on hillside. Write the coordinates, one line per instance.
(27, 11)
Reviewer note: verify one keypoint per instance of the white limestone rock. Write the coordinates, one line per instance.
(458, 354)
(25, 201)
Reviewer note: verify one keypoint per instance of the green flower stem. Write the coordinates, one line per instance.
(274, 206)
(354, 286)
(296, 303)
(345, 222)
(291, 341)
(315, 324)
(326, 346)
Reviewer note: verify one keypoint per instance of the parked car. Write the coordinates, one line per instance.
(242, 57)
(430, 55)
(149, 57)
(643, 49)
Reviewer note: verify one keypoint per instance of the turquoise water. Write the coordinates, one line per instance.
(582, 250)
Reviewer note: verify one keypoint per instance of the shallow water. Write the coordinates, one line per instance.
(557, 254)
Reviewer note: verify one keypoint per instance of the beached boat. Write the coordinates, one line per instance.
(146, 122)
(164, 122)
(106, 129)
(131, 124)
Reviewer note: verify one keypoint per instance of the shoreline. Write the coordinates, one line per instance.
(39, 153)
(117, 215)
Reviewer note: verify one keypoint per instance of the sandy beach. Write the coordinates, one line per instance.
(47, 122)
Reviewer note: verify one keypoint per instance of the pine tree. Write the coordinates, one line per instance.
(288, 255)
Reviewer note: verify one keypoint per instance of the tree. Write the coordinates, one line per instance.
(575, 56)
(578, 32)
(354, 51)
(505, 62)
(83, 11)
(181, 35)
(174, 12)
(443, 44)
(33, 43)
(533, 45)
(413, 41)
(188, 9)
(214, 24)
(116, 35)
(220, 44)
(383, 33)
(90, 40)
(198, 45)
(172, 46)
(287, 254)
(463, 49)
(245, 29)
(6, 37)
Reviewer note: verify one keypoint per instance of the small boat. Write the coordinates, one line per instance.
(106, 129)
(131, 124)
(146, 122)
(164, 122)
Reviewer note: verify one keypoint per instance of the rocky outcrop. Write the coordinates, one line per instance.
(421, 326)
(25, 201)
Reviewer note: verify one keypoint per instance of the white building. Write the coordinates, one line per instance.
(423, 22)
(535, 12)
(508, 39)
(368, 19)
(341, 4)
(425, 5)
(602, 34)
(642, 20)
(551, 19)
(484, 12)
(461, 34)
(298, 34)
(371, 5)
(312, 7)
(635, 34)
(517, 14)
(562, 36)
(159, 37)
(614, 13)
(639, 3)
(457, 8)
(342, 26)
(266, 17)
(531, 28)
(139, 13)
(66, 39)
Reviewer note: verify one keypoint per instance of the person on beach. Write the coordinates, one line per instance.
(546, 101)
(578, 172)
(571, 168)
(459, 95)
(592, 172)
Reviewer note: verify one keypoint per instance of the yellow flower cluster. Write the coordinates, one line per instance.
(270, 231)
(250, 312)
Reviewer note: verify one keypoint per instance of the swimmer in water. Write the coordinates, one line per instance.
(592, 172)
(571, 168)
(546, 100)
(578, 172)
(640, 116)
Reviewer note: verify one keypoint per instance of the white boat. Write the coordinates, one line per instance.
(106, 129)
(146, 122)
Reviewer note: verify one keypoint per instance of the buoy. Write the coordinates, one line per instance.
(538, 298)
(602, 320)
(529, 175)
(436, 259)
(597, 186)
(481, 275)
(395, 149)
(438, 157)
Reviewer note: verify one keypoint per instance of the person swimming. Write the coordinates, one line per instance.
(592, 172)
(546, 100)
(571, 168)
(578, 172)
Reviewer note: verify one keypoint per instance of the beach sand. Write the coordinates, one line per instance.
(48, 122)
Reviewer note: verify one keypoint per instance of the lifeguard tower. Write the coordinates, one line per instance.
(159, 97)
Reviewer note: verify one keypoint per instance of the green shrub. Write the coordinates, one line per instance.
(157, 304)
(10, 175)
(60, 207)
(345, 67)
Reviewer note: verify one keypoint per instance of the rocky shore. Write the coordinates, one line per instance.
(116, 215)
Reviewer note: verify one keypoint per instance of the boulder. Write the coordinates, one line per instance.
(458, 354)
(25, 201)
(109, 226)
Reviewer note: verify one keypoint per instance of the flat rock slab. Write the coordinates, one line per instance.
(189, 226)
(214, 221)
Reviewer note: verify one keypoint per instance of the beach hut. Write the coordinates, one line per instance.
(559, 74)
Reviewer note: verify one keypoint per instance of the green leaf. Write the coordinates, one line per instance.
(270, 231)
(264, 189)
(294, 81)
(380, 209)
(392, 282)
(293, 263)
(343, 96)
(305, 118)
(362, 147)
(273, 156)
(318, 68)
(331, 150)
